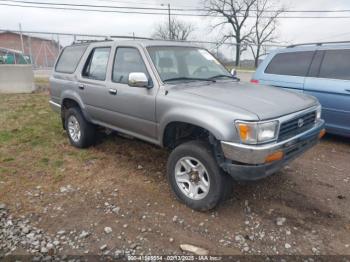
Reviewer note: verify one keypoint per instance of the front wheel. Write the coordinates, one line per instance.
(195, 176)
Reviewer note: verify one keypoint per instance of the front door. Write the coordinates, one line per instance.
(135, 106)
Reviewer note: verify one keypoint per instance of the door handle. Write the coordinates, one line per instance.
(81, 86)
(347, 90)
(112, 91)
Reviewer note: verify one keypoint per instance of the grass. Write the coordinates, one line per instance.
(41, 80)
(35, 150)
(32, 140)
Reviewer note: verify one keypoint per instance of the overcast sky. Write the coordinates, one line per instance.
(289, 30)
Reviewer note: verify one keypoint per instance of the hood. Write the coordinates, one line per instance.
(264, 101)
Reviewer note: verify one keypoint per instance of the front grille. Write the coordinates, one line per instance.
(294, 127)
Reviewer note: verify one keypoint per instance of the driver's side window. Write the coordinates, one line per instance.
(127, 60)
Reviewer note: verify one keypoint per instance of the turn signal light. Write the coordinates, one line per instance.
(244, 131)
(322, 133)
(278, 155)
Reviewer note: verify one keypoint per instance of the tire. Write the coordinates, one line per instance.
(74, 119)
(195, 177)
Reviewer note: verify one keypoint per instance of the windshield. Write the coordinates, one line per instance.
(176, 63)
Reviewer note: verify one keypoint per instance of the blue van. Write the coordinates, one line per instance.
(319, 69)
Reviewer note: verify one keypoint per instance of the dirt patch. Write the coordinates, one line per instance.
(120, 183)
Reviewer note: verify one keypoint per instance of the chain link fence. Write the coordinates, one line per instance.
(41, 49)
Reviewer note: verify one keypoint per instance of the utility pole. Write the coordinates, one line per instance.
(20, 31)
(45, 54)
(30, 50)
(58, 43)
(169, 22)
(170, 34)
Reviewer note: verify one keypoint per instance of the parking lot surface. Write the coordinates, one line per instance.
(114, 199)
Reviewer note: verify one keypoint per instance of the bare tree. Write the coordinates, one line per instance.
(179, 30)
(264, 29)
(235, 14)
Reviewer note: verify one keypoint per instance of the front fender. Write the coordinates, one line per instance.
(222, 128)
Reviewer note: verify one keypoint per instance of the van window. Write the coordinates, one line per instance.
(336, 65)
(293, 63)
(69, 59)
(316, 64)
(96, 65)
(127, 60)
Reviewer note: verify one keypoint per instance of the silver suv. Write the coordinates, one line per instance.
(180, 97)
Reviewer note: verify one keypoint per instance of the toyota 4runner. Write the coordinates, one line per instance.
(180, 97)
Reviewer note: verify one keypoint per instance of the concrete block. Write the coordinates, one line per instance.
(16, 79)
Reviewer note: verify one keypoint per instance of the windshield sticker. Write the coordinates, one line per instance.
(208, 56)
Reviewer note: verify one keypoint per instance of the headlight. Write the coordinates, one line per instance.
(255, 132)
(318, 113)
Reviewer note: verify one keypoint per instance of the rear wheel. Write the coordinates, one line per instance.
(195, 177)
(81, 133)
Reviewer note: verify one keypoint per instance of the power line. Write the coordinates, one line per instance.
(162, 9)
(86, 5)
(55, 7)
(86, 10)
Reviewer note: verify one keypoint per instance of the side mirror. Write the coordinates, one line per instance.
(234, 72)
(138, 80)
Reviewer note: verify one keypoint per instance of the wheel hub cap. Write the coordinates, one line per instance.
(192, 178)
(74, 128)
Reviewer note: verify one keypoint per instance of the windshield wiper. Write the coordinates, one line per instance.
(218, 76)
(188, 78)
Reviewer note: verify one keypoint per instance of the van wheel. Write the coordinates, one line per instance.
(195, 177)
(81, 133)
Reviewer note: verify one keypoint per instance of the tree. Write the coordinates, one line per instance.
(179, 30)
(264, 28)
(235, 14)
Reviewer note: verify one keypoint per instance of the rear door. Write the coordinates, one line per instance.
(92, 82)
(329, 81)
(287, 70)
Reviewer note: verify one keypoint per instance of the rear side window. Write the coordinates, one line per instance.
(336, 65)
(69, 59)
(316, 63)
(96, 65)
(292, 64)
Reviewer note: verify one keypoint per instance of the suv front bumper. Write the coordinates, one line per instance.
(248, 162)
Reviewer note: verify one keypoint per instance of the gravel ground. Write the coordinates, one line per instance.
(113, 199)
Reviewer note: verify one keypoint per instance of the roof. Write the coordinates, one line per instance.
(313, 47)
(31, 36)
(320, 44)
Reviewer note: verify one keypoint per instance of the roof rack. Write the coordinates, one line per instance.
(110, 38)
(131, 37)
(76, 42)
(320, 43)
